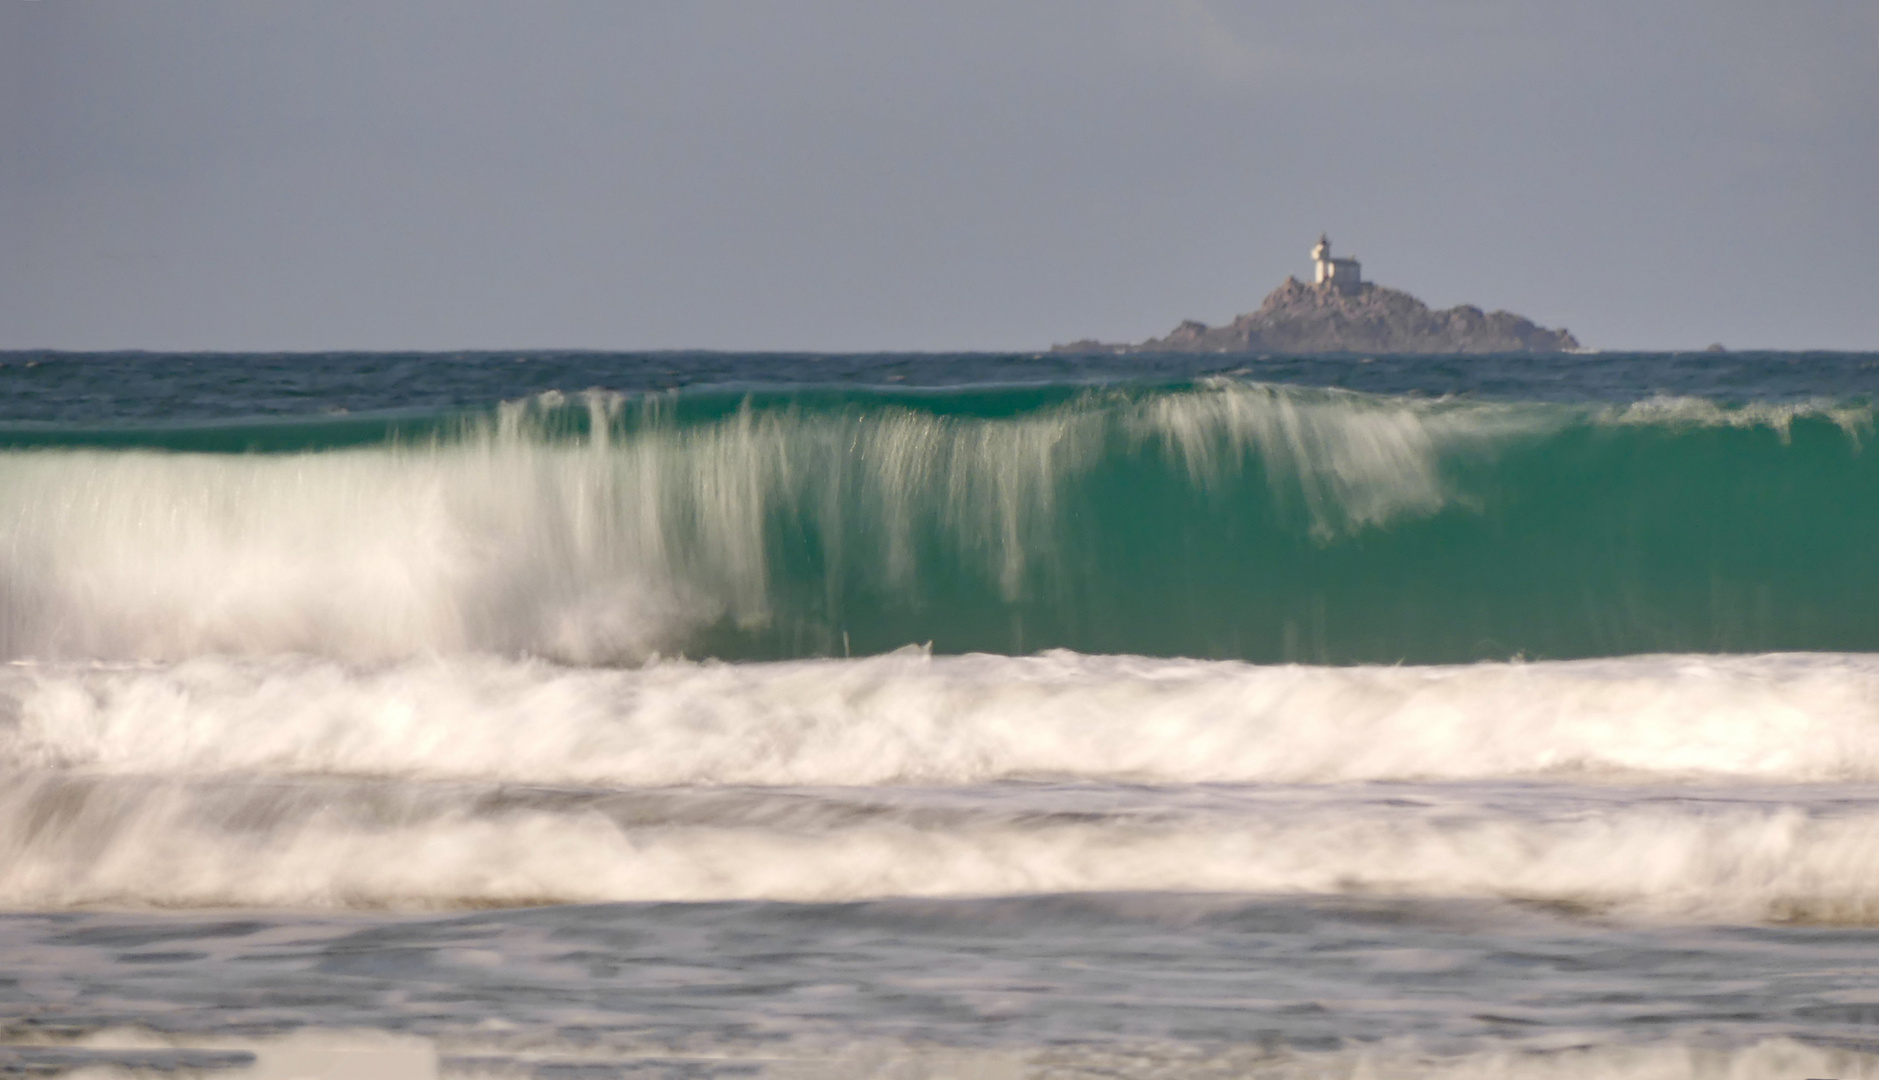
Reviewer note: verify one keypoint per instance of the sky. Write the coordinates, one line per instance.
(937, 175)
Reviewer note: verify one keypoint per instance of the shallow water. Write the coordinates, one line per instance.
(1137, 983)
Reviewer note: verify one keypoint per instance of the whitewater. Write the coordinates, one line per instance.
(718, 714)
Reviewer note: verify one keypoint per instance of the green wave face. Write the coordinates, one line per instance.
(1212, 520)
(1295, 526)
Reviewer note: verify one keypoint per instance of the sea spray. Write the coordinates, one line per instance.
(533, 727)
(1222, 520)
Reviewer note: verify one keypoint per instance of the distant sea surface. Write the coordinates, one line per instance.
(573, 714)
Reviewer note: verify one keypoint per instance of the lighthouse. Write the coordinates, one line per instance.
(1344, 275)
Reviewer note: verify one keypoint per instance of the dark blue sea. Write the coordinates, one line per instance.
(683, 715)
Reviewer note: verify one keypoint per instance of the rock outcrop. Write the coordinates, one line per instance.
(1301, 318)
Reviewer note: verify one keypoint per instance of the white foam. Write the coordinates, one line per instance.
(618, 546)
(909, 717)
(72, 841)
(1669, 411)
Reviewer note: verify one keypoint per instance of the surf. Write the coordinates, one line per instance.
(915, 718)
(1214, 519)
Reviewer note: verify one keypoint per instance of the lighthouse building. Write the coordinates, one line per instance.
(1344, 275)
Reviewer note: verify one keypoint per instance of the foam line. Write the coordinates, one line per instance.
(911, 717)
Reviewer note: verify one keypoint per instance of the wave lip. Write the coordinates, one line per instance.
(1220, 519)
(611, 529)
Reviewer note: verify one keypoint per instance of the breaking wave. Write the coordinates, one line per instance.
(1220, 519)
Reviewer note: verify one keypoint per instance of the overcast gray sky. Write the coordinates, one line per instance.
(824, 174)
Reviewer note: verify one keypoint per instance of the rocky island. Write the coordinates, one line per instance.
(1340, 312)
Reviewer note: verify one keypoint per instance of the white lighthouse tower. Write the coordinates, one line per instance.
(1344, 275)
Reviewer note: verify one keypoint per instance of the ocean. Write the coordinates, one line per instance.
(687, 715)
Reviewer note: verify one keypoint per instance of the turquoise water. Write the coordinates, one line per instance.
(687, 715)
(1219, 519)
